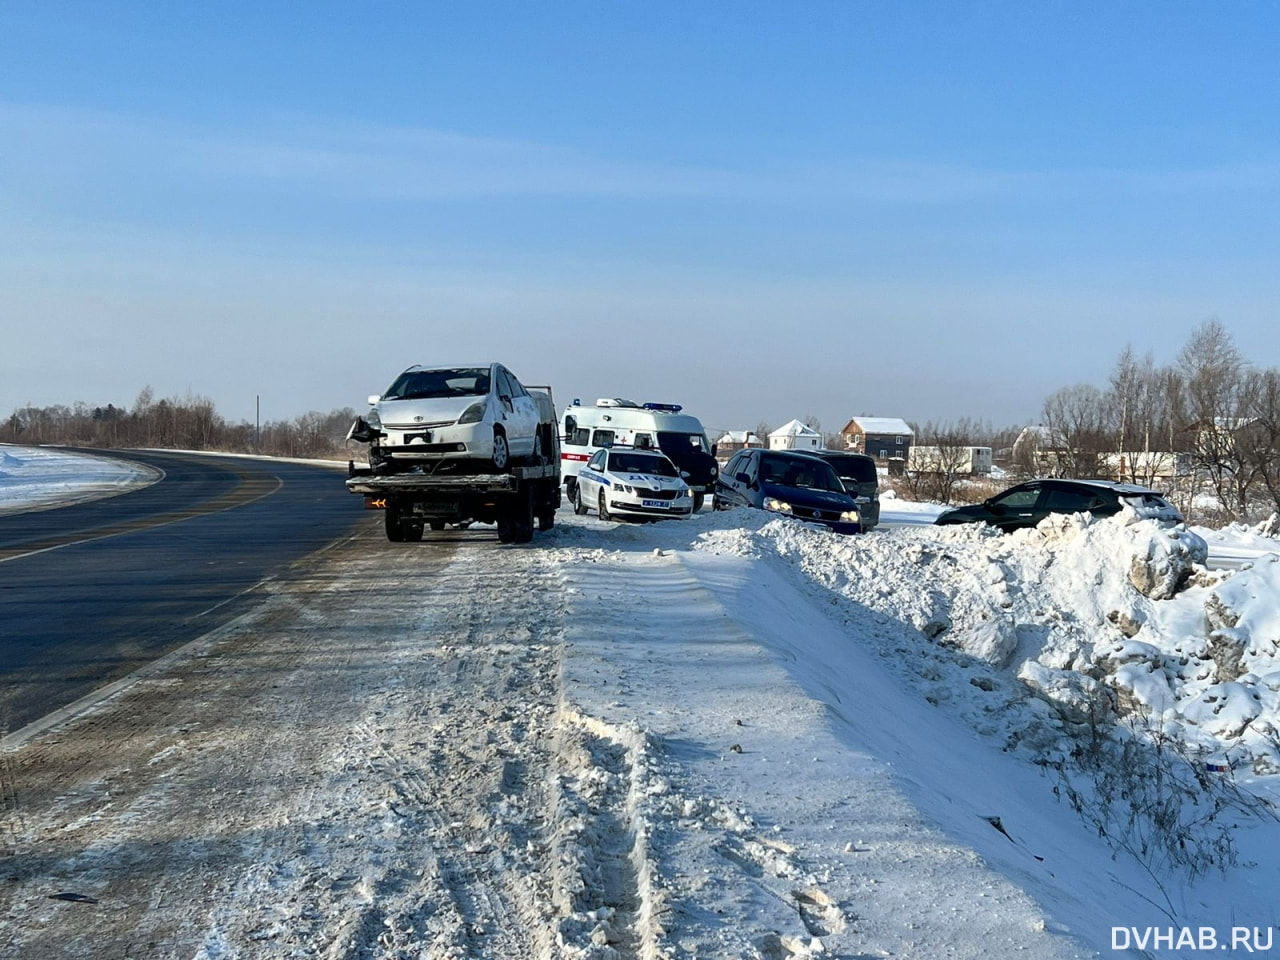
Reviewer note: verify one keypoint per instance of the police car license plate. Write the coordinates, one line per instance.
(657, 504)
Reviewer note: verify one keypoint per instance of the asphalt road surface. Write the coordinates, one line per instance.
(91, 592)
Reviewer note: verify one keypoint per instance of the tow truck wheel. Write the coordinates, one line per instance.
(413, 532)
(392, 522)
(524, 515)
(603, 508)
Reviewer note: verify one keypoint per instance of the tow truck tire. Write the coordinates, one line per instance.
(546, 520)
(523, 532)
(392, 522)
(413, 532)
(603, 509)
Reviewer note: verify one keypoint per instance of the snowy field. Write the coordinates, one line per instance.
(759, 739)
(33, 478)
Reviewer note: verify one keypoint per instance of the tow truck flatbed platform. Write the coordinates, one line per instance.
(366, 482)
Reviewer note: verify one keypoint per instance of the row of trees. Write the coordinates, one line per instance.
(187, 423)
(1205, 428)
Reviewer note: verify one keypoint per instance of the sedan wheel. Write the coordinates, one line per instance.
(603, 508)
(501, 455)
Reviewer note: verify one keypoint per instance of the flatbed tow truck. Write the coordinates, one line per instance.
(411, 502)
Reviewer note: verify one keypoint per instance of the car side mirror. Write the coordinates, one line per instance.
(684, 474)
(743, 479)
(996, 508)
(374, 399)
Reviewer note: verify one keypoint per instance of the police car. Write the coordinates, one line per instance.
(625, 483)
(660, 427)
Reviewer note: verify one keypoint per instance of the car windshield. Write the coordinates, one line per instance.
(678, 445)
(433, 384)
(799, 472)
(642, 463)
(858, 469)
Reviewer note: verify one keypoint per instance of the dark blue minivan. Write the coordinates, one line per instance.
(790, 484)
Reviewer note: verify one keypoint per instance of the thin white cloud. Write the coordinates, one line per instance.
(406, 164)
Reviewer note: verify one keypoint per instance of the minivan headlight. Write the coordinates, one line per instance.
(777, 506)
(473, 413)
(850, 516)
(372, 419)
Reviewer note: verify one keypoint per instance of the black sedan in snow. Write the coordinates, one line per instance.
(1026, 504)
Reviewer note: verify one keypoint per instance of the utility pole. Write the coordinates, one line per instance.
(257, 423)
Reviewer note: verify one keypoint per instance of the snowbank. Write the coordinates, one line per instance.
(35, 478)
(1118, 614)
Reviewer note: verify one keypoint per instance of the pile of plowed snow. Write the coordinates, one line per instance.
(34, 478)
(1079, 618)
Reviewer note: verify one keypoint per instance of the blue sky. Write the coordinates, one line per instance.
(762, 211)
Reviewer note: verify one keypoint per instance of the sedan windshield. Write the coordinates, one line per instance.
(433, 384)
(641, 463)
(799, 472)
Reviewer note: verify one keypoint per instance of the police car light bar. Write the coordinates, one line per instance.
(668, 407)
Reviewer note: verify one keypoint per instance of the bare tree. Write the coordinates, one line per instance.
(1213, 408)
(190, 422)
(1261, 439)
(940, 459)
(1075, 419)
(1140, 410)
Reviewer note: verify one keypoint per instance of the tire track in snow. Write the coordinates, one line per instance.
(358, 769)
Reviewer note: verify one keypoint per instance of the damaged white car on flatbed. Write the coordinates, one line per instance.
(459, 444)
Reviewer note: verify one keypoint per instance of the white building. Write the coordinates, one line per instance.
(795, 436)
(963, 461)
(737, 439)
